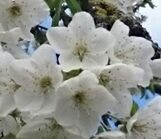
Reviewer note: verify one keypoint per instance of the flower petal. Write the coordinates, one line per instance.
(82, 24)
(156, 67)
(61, 38)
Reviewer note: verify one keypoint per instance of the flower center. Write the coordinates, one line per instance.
(79, 98)
(139, 128)
(46, 82)
(103, 79)
(80, 51)
(15, 10)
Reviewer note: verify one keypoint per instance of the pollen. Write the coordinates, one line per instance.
(46, 82)
(80, 51)
(103, 79)
(15, 10)
(79, 98)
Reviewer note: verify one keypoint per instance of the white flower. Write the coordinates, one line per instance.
(8, 125)
(156, 67)
(132, 50)
(111, 135)
(41, 128)
(80, 101)
(22, 13)
(125, 6)
(7, 85)
(1, 28)
(81, 45)
(38, 77)
(146, 123)
(116, 80)
(10, 41)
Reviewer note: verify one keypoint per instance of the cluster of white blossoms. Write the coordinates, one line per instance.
(37, 101)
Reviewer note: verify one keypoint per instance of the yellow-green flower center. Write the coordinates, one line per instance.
(79, 98)
(103, 79)
(80, 51)
(46, 82)
(15, 10)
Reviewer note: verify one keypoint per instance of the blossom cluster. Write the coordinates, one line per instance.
(43, 96)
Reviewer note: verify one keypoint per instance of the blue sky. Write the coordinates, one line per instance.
(153, 23)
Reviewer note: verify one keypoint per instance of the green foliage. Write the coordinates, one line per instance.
(71, 74)
(100, 130)
(51, 3)
(56, 8)
(134, 109)
(56, 18)
(74, 6)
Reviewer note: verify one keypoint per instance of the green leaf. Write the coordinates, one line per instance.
(56, 18)
(156, 88)
(74, 6)
(100, 130)
(134, 109)
(71, 74)
(50, 3)
(84, 4)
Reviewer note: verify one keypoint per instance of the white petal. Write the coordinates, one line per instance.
(91, 79)
(111, 135)
(118, 76)
(95, 60)
(85, 116)
(48, 106)
(68, 61)
(31, 14)
(7, 104)
(34, 130)
(149, 120)
(137, 51)
(8, 125)
(120, 31)
(45, 55)
(82, 24)
(65, 113)
(124, 103)
(100, 40)
(61, 38)
(11, 40)
(28, 100)
(22, 72)
(41, 128)
(156, 67)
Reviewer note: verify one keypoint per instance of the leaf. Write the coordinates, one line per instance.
(134, 109)
(71, 74)
(50, 3)
(73, 6)
(84, 4)
(157, 88)
(56, 18)
(143, 91)
(100, 130)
